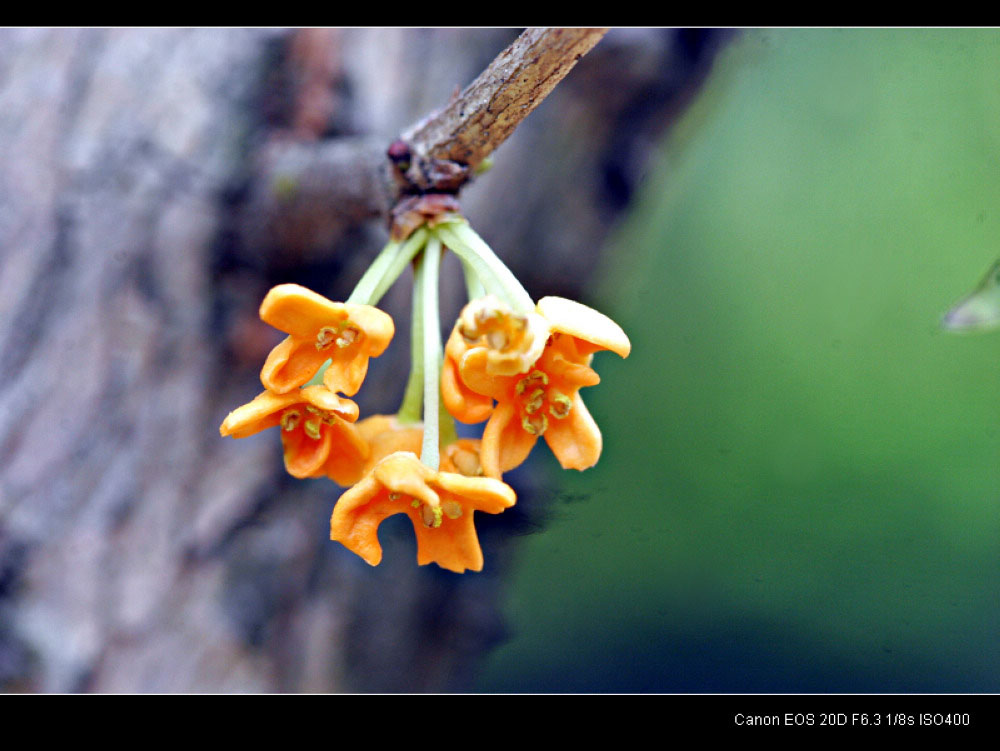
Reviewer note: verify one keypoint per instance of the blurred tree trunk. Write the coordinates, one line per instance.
(139, 551)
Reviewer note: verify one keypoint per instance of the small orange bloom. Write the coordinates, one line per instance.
(319, 330)
(440, 505)
(513, 342)
(543, 399)
(317, 432)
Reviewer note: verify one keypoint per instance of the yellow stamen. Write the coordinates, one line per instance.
(532, 379)
(431, 515)
(325, 337)
(290, 419)
(327, 418)
(312, 429)
(535, 424)
(560, 406)
(348, 337)
(451, 509)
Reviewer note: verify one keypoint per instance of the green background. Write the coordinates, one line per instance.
(799, 489)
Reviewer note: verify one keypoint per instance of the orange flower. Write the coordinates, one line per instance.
(319, 330)
(543, 398)
(317, 432)
(513, 342)
(439, 503)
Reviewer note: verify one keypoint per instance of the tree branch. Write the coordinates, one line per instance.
(472, 126)
(308, 192)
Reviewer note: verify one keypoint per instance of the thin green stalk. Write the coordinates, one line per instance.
(413, 397)
(366, 285)
(428, 270)
(490, 270)
(446, 426)
(386, 268)
(473, 287)
(413, 245)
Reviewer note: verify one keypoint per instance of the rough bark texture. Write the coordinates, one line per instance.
(485, 114)
(139, 551)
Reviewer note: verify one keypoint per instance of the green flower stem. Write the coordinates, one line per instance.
(413, 397)
(473, 287)
(363, 289)
(427, 278)
(386, 268)
(413, 245)
(488, 268)
(446, 425)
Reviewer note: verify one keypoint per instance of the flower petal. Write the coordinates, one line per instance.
(376, 325)
(575, 319)
(346, 462)
(454, 545)
(347, 371)
(478, 493)
(576, 439)
(505, 443)
(384, 435)
(290, 364)
(402, 472)
(472, 372)
(299, 311)
(257, 415)
(305, 456)
(570, 374)
(356, 517)
(322, 397)
(462, 403)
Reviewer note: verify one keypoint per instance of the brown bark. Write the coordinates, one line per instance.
(484, 115)
(139, 551)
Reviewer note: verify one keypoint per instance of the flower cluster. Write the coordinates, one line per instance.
(508, 362)
(532, 366)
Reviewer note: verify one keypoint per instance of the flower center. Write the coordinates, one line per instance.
(290, 419)
(431, 515)
(533, 395)
(502, 328)
(315, 418)
(343, 334)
